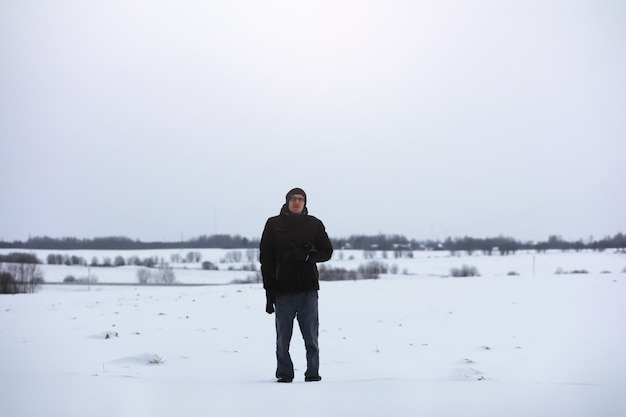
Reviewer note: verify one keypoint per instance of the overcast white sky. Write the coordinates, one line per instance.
(161, 119)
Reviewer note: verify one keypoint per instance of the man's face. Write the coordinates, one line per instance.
(296, 203)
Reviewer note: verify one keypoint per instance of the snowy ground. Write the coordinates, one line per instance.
(416, 343)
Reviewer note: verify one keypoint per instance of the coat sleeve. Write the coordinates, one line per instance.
(267, 256)
(322, 244)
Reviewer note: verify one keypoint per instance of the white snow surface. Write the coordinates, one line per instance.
(415, 343)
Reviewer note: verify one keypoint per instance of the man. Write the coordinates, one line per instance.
(291, 245)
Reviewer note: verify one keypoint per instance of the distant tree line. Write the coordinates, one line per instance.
(504, 245)
(124, 243)
(19, 258)
(59, 259)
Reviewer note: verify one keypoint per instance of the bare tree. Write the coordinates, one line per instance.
(20, 278)
(143, 275)
(252, 255)
(163, 275)
(166, 274)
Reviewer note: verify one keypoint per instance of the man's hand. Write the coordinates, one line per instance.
(297, 255)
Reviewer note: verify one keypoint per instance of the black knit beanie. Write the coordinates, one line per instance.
(295, 191)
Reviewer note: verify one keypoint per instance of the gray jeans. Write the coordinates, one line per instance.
(303, 306)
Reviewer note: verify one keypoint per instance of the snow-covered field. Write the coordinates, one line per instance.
(423, 264)
(414, 343)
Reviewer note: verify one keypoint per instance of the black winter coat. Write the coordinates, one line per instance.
(291, 246)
